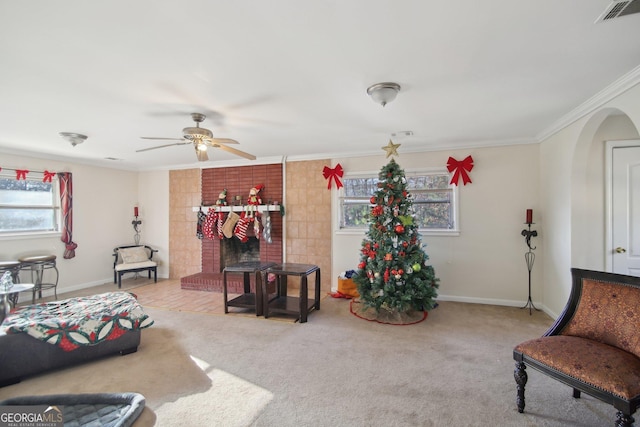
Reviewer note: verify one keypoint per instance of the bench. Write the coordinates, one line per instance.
(133, 259)
(594, 345)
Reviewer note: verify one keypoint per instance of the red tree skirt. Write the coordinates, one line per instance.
(387, 317)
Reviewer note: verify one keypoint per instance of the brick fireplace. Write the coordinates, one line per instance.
(216, 252)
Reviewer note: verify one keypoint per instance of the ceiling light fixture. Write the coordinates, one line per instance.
(73, 138)
(383, 93)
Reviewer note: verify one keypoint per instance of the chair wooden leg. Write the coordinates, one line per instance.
(521, 378)
(623, 420)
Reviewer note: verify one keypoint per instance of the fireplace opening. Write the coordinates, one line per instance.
(233, 251)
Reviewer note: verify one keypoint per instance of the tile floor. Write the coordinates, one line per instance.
(166, 294)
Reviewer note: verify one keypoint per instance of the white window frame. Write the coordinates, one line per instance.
(338, 195)
(28, 234)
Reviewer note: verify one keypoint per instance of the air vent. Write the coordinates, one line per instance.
(619, 9)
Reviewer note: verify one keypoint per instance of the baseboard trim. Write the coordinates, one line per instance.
(490, 301)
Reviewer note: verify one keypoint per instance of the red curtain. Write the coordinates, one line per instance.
(66, 204)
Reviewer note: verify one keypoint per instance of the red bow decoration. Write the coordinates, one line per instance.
(461, 169)
(335, 174)
(48, 176)
(21, 174)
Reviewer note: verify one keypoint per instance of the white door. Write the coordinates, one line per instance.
(625, 210)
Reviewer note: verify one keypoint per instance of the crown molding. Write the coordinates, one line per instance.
(612, 91)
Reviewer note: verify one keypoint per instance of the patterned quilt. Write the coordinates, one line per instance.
(76, 322)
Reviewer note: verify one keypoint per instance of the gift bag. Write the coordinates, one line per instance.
(348, 287)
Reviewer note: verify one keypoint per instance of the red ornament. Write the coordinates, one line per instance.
(373, 200)
(388, 257)
(376, 245)
(362, 265)
(399, 229)
(386, 275)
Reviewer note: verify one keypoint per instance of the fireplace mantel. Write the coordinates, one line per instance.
(238, 208)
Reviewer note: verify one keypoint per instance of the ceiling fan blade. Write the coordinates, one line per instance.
(222, 141)
(235, 151)
(162, 146)
(162, 139)
(202, 154)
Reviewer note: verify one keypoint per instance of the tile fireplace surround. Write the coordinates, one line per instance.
(238, 181)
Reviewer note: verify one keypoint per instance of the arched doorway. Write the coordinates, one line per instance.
(588, 203)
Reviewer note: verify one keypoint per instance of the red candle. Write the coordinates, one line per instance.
(529, 216)
(135, 211)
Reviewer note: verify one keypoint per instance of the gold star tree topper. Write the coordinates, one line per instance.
(391, 149)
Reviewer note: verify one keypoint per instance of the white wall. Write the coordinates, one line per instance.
(103, 201)
(567, 191)
(153, 201)
(485, 263)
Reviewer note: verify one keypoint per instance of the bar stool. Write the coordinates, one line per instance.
(38, 265)
(14, 268)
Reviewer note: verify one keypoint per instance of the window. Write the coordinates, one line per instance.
(434, 200)
(28, 205)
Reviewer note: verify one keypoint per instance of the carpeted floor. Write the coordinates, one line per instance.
(455, 368)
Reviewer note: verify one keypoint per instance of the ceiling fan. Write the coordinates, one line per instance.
(201, 139)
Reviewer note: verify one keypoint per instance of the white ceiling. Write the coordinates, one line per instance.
(289, 77)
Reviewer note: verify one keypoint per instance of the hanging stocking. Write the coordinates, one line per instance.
(241, 228)
(227, 228)
(256, 227)
(201, 218)
(209, 226)
(220, 224)
(266, 227)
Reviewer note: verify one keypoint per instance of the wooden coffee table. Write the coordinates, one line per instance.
(248, 299)
(282, 303)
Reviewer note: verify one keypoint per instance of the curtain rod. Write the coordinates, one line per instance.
(28, 170)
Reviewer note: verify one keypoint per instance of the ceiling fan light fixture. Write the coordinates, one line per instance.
(201, 146)
(383, 93)
(73, 138)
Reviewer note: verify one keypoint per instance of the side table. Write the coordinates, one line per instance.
(6, 305)
(247, 299)
(282, 303)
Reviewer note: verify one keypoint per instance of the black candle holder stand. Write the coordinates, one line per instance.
(530, 258)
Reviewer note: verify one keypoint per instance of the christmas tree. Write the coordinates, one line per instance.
(393, 274)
